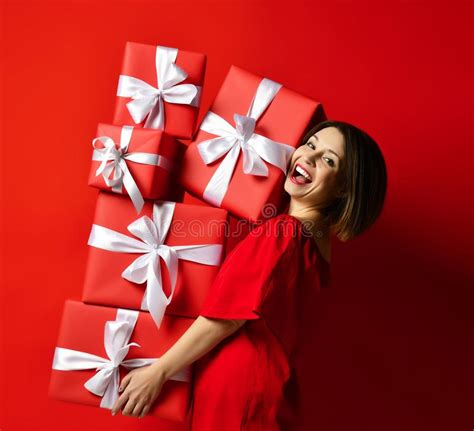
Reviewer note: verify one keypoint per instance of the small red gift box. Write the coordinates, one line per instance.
(132, 262)
(253, 125)
(160, 88)
(134, 161)
(86, 342)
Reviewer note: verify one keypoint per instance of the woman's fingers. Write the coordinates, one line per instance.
(122, 399)
(138, 408)
(131, 403)
(125, 381)
(145, 410)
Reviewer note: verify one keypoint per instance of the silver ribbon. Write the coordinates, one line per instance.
(114, 159)
(148, 100)
(256, 148)
(105, 383)
(151, 236)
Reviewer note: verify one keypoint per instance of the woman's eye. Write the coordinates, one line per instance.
(311, 145)
(330, 162)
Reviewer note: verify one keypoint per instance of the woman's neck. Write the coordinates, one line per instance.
(314, 221)
(313, 216)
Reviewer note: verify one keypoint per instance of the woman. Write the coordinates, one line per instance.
(258, 313)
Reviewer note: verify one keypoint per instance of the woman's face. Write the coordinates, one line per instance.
(313, 176)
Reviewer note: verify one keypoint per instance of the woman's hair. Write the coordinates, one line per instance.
(364, 178)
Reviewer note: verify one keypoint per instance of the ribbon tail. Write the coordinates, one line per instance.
(219, 182)
(253, 164)
(156, 117)
(154, 299)
(131, 187)
(117, 181)
(111, 392)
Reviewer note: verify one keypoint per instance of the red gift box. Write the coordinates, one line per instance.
(143, 62)
(82, 330)
(191, 225)
(238, 228)
(285, 120)
(149, 155)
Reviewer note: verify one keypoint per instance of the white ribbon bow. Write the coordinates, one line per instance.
(105, 383)
(256, 148)
(148, 100)
(114, 158)
(146, 268)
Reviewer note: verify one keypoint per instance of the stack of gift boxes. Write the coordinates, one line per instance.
(153, 254)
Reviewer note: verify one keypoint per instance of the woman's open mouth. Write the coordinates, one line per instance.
(300, 175)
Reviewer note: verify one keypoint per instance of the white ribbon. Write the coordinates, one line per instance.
(148, 100)
(256, 148)
(105, 383)
(151, 236)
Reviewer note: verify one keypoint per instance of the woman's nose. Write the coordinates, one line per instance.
(310, 160)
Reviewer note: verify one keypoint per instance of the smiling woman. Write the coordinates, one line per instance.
(259, 310)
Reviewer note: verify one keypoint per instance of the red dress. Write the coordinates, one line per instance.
(250, 380)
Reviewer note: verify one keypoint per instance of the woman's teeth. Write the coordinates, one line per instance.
(300, 176)
(300, 170)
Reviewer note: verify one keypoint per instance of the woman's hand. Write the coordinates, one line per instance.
(140, 388)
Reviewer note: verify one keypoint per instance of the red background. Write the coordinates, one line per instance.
(396, 331)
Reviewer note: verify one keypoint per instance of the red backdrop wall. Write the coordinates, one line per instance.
(395, 338)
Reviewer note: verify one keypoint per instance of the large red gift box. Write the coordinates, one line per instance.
(142, 62)
(82, 329)
(150, 157)
(191, 225)
(238, 228)
(285, 120)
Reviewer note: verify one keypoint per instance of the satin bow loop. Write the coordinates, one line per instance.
(256, 149)
(148, 101)
(150, 236)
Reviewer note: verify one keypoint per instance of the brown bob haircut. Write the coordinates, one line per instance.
(364, 178)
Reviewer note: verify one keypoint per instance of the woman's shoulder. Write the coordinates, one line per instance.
(281, 234)
(277, 226)
(276, 235)
(292, 231)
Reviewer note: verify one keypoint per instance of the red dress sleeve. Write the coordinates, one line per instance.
(243, 284)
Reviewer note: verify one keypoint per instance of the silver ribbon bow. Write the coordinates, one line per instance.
(105, 383)
(230, 141)
(151, 236)
(148, 100)
(114, 159)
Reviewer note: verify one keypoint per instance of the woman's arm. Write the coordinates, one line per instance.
(142, 386)
(201, 337)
